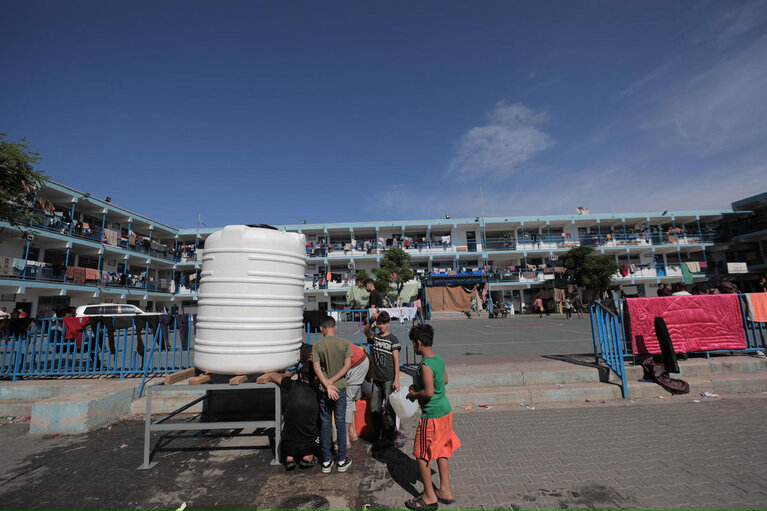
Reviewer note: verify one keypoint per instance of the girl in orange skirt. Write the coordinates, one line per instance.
(434, 438)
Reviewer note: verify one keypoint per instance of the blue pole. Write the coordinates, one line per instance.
(72, 221)
(26, 262)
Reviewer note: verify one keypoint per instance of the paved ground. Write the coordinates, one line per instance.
(517, 335)
(707, 455)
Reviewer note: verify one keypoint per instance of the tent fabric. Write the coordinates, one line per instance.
(357, 297)
(450, 298)
(409, 292)
(696, 323)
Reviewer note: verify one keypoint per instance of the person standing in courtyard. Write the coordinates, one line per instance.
(332, 359)
(473, 309)
(434, 438)
(375, 302)
(567, 305)
(354, 379)
(580, 308)
(384, 348)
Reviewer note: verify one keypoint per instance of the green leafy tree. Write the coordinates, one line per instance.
(362, 275)
(395, 270)
(18, 183)
(589, 270)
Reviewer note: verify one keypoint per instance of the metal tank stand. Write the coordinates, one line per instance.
(161, 425)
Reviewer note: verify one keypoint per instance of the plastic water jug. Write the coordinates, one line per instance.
(401, 405)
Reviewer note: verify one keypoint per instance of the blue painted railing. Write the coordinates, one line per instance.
(351, 324)
(610, 344)
(42, 351)
(609, 339)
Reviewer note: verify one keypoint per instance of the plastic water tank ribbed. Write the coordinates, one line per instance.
(251, 301)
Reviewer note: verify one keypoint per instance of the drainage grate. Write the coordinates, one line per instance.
(306, 503)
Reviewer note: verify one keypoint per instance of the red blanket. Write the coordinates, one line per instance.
(696, 323)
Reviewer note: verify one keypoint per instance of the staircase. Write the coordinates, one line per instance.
(66, 405)
(440, 315)
(578, 380)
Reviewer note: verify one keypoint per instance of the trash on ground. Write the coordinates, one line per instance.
(695, 401)
(484, 406)
(11, 417)
(709, 394)
(662, 397)
(468, 407)
(25, 419)
(525, 405)
(181, 507)
(123, 446)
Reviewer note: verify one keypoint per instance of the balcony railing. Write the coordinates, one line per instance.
(361, 249)
(58, 225)
(559, 242)
(39, 273)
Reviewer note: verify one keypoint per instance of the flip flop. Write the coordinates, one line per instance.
(445, 501)
(417, 504)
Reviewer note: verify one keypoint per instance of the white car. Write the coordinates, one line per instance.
(108, 309)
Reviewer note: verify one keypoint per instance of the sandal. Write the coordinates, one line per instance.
(307, 464)
(419, 505)
(445, 501)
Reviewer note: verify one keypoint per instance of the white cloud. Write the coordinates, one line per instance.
(496, 149)
(608, 190)
(719, 108)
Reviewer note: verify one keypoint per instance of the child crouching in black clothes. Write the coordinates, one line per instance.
(300, 433)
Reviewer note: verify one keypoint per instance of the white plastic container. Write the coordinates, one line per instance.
(251, 301)
(401, 405)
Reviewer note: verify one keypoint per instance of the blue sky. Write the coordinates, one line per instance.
(251, 112)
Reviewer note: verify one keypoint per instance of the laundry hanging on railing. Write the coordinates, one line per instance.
(76, 274)
(111, 237)
(757, 307)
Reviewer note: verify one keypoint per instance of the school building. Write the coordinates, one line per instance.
(87, 250)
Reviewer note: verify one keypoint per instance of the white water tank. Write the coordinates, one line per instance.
(251, 301)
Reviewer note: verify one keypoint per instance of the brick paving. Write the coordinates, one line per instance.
(670, 455)
(708, 455)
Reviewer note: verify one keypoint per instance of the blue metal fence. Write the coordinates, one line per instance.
(609, 339)
(137, 350)
(351, 324)
(611, 346)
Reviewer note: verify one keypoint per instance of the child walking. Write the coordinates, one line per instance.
(434, 438)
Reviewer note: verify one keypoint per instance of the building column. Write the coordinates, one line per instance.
(26, 260)
(72, 222)
(103, 226)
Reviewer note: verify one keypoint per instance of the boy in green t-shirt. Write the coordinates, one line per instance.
(332, 359)
(434, 438)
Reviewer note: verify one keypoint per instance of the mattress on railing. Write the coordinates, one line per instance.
(696, 323)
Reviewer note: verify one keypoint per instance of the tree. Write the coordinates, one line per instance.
(587, 269)
(18, 183)
(395, 269)
(362, 275)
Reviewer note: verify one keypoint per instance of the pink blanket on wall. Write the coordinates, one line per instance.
(696, 323)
